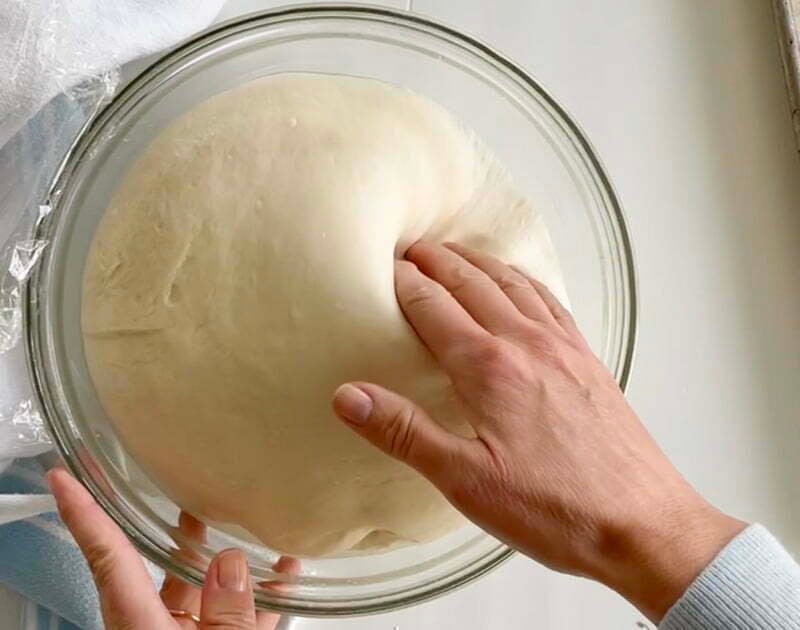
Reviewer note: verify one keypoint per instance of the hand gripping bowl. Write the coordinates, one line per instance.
(519, 120)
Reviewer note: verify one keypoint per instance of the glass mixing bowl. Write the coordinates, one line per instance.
(529, 131)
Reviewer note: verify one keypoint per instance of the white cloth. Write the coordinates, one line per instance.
(14, 507)
(49, 46)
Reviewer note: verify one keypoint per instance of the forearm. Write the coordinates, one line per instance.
(690, 567)
(656, 557)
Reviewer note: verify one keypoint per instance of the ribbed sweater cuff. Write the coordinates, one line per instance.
(752, 584)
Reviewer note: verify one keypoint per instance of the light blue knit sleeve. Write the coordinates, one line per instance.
(752, 584)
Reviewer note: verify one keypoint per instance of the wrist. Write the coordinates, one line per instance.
(655, 556)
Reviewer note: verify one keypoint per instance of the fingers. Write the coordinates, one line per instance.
(559, 312)
(127, 596)
(267, 621)
(288, 566)
(175, 593)
(480, 296)
(522, 293)
(439, 320)
(228, 594)
(399, 427)
(179, 595)
(479, 293)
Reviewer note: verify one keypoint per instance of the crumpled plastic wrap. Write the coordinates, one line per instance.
(21, 257)
(29, 162)
(27, 434)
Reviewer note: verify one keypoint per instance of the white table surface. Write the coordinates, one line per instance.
(684, 101)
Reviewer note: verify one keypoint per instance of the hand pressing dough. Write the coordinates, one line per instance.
(244, 269)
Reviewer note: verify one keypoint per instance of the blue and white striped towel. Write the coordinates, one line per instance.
(39, 559)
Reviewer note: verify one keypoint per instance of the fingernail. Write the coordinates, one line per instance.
(352, 404)
(232, 570)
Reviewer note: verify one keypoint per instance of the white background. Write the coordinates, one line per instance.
(685, 102)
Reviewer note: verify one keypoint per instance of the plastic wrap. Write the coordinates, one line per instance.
(27, 435)
(29, 162)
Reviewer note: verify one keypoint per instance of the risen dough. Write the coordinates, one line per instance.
(244, 270)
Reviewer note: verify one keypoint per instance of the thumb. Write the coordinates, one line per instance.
(228, 594)
(398, 427)
(128, 598)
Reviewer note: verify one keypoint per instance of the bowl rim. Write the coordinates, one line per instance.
(34, 345)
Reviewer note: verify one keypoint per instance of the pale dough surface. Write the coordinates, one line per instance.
(244, 269)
